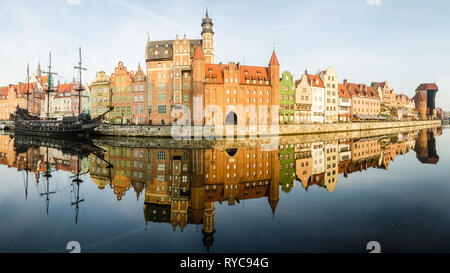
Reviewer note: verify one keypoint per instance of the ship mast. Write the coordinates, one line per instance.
(28, 84)
(49, 83)
(80, 86)
(77, 181)
(47, 175)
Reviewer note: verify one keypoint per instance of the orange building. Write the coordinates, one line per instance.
(182, 78)
(121, 82)
(228, 86)
(14, 96)
(139, 97)
(365, 101)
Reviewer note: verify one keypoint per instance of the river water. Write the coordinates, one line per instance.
(332, 193)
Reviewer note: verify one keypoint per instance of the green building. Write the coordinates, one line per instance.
(287, 167)
(287, 98)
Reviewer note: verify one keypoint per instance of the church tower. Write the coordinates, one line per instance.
(208, 39)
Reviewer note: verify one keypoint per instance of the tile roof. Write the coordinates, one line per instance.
(23, 88)
(4, 91)
(427, 86)
(315, 80)
(343, 92)
(215, 71)
(64, 90)
(361, 90)
(198, 53)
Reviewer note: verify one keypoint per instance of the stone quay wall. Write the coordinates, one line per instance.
(284, 130)
(162, 131)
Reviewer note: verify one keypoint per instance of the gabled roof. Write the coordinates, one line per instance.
(343, 92)
(4, 91)
(23, 88)
(198, 55)
(361, 90)
(64, 90)
(215, 71)
(315, 80)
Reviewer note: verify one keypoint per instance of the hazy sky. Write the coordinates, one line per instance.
(403, 41)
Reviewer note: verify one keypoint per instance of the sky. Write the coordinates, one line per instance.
(406, 42)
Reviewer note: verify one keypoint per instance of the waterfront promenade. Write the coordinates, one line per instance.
(283, 130)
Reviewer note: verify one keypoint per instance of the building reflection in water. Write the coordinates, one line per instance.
(183, 186)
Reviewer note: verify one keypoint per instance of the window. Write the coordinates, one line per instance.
(162, 97)
(161, 155)
(161, 167)
(161, 109)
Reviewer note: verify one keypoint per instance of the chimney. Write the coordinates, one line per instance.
(345, 81)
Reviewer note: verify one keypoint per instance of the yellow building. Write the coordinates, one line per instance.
(100, 94)
(331, 165)
(330, 81)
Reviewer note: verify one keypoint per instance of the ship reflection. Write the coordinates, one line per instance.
(183, 186)
(43, 156)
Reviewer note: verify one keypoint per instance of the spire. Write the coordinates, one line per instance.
(147, 47)
(273, 205)
(207, 24)
(39, 69)
(273, 59)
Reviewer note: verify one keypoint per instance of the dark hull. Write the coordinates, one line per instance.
(79, 126)
(82, 132)
(65, 144)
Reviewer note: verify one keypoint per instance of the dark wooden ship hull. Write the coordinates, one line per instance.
(67, 126)
(81, 147)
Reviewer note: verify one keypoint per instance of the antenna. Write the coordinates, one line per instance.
(80, 86)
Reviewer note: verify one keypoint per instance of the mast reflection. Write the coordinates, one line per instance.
(182, 186)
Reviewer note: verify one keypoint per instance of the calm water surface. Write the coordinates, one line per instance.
(303, 196)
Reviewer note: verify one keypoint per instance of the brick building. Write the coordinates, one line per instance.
(365, 101)
(181, 69)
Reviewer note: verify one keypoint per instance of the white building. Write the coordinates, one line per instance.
(331, 99)
(318, 157)
(318, 99)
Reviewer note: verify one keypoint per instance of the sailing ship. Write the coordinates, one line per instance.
(79, 125)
